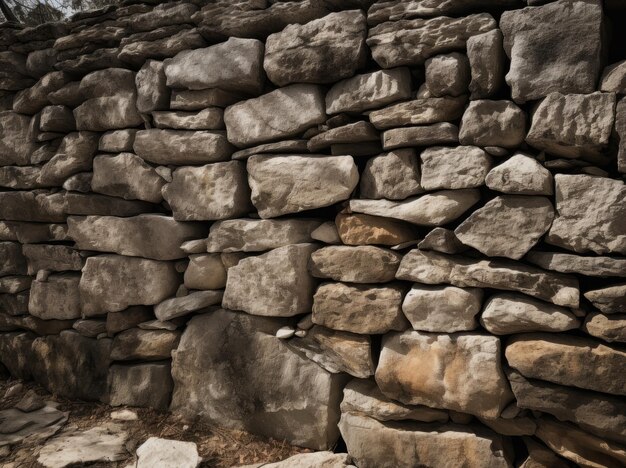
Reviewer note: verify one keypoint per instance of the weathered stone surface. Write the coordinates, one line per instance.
(432, 209)
(56, 298)
(163, 14)
(447, 74)
(394, 176)
(185, 305)
(74, 155)
(486, 58)
(128, 318)
(71, 365)
(14, 284)
(539, 455)
(136, 53)
(14, 304)
(128, 176)
(588, 266)
(326, 232)
(152, 91)
(270, 391)
(33, 324)
(57, 119)
(568, 360)
(454, 168)
(421, 111)
(145, 345)
(195, 100)
(117, 141)
(493, 123)
(337, 351)
(321, 51)
(160, 453)
(90, 328)
(205, 271)
(365, 398)
(107, 82)
(434, 268)
(521, 175)
(507, 226)
(363, 264)
(442, 308)
(282, 275)
(20, 177)
(210, 118)
(294, 183)
(545, 59)
(107, 113)
(409, 444)
(613, 79)
(590, 214)
(594, 412)
(282, 113)
(181, 147)
(111, 283)
(609, 299)
(148, 235)
(145, 385)
(620, 131)
(214, 191)
(442, 240)
(411, 42)
(68, 95)
(234, 65)
(257, 235)
(16, 139)
(304, 460)
(361, 229)
(280, 147)
(461, 372)
(16, 353)
(14, 263)
(349, 135)
(606, 327)
(573, 125)
(51, 257)
(425, 135)
(509, 313)
(95, 204)
(364, 309)
(578, 446)
(369, 91)
(32, 100)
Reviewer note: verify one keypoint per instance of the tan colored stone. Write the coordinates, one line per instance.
(362, 229)
(362, 264)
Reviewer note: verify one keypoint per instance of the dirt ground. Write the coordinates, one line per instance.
(217, 446)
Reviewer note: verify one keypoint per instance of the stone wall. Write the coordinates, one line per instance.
(401, 223)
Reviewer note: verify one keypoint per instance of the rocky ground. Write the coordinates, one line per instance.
(218, 447)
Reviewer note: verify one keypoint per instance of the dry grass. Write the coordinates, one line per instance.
(219, 447)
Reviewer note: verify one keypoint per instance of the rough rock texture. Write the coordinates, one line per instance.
(362, 264)
(420, 111)
(486, 60)
(520, 174)
(492, 123)
(454, 168)
(180, 147)
(394, 176)
(361, 229)
(147, 385)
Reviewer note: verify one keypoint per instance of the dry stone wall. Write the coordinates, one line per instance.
(399, 224)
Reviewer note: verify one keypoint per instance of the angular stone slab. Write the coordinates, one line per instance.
(117, 141)
(211, 192)
(590, 214)
(460, 372)
(280, 147)
(421, 111)
(425, 135)
(411, 42)
(293, 183)
(435, 268)
(573, 125)
(546, 59)
(185, 305)
(210, 118)
(283, 277)
(509, 313)
(588, 266)
(394, 176)
(606, 327)
(205, 272)
(195, 100)
(493, 123)
(507, 226)
(359, 308)
(433, 209)
(522, 175)
(487, 62)
(52, 258)
(324, 50)
(369, 91)
(111, 283)
(350, 134)
(609, 299)
(107, 113)
(234, 65)
(271, 391)
(442, 240)
(147, 385)
(152, 91)
(180, 147)
(568, 360)
(56, 298)
(146, 345)
(361, 229)
(362, 264)
(156, 452)
(280, 114)
(74, 155)
(257, 235)
(442, 308)
(148, 235)
(454, 168)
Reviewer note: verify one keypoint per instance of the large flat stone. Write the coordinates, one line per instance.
(545, 59)
(361, 264)
(411, 42)
(324, 50)
(211, 192)
(568, 360)
(145, 345)
(493, 123)
(454, 168)
(394, 176)
(180, 147)
(180, 306)
(111, 283)
(146, 385)
(56, 298)
(424, 135)
(460, 372)
(359, 308)
(258, 235)
(578, 264)
(234, 65)
(420, 111)
(211, 118)
(283, 277)
(265, 387)
(107, 113)
(362, 229)
(294, 183)
(522, 175)
(282, 113)
(590, 214)
(149, 235)
(435, 268)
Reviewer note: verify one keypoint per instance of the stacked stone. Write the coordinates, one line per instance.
(400, 223)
